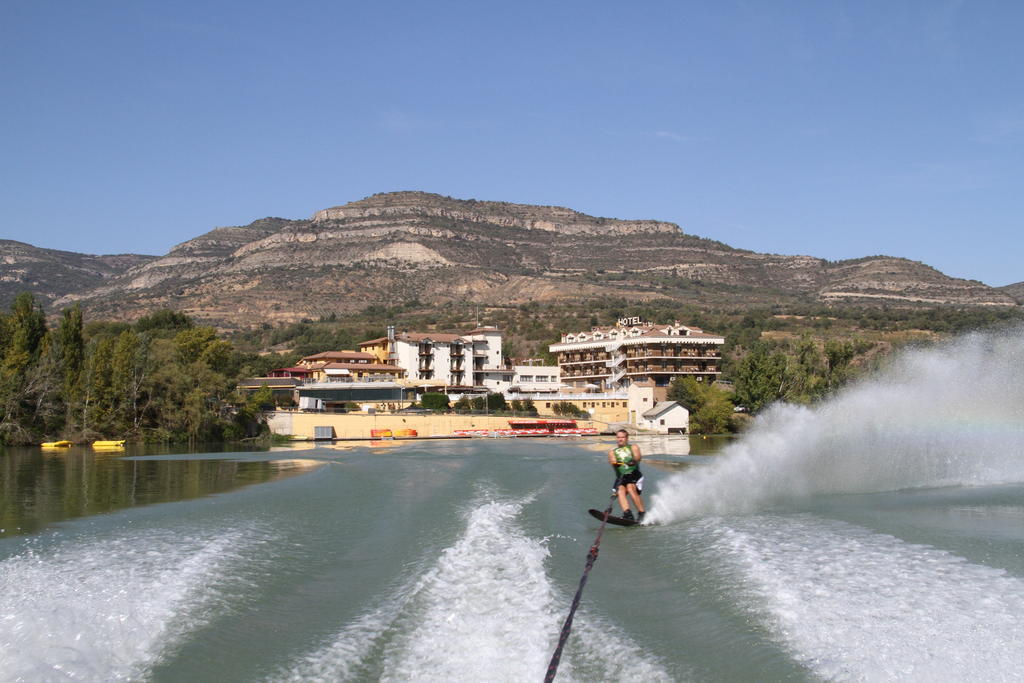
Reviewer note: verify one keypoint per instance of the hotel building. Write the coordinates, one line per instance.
(613, 358)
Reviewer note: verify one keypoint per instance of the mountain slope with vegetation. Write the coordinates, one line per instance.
(412, 246)
(1015, 290)
(50, 274)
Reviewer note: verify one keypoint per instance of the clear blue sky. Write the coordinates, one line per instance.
(825, 128)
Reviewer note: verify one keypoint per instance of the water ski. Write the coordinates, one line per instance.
(612, 519)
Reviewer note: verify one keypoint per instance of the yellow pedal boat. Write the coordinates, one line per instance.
(55, 444)
(108, 444)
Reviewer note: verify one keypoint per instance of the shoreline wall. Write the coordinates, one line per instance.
(359, 425)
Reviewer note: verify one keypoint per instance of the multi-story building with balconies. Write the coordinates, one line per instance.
(468, 360)
(612, 358)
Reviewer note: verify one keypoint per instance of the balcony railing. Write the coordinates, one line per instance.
(669, 354)
(585, 374)
(682, 370)
(584, 358)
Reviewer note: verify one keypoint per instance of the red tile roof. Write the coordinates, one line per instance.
(442, 337)
(433, 336)
(340, 355)
(362, 367)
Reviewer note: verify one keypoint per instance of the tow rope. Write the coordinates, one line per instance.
(567, 626)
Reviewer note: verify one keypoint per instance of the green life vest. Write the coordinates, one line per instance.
(624, 459)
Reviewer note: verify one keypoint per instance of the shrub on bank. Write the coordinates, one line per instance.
(434, 401)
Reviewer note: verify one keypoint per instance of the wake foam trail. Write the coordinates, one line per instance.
(952, 415)
(109, 610)
(484, 610)
(855, 605)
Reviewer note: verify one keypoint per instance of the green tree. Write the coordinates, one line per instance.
(496, 402)
(687, 392)
(805, 372)
(97, 388)
(568, 409)
(760, 378)
(30, 397)
(434, 401)
(71, 345)
(163, 321)
(26, 328)
(838, 355)
(191, 343)
(714, 416)
(128, 374)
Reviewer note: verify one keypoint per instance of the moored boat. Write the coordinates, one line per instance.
(55, 444)
(119, 443)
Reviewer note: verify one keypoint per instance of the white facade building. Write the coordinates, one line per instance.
(488, 367)
(536, 379)
(666, 417)
(448, 360)
(640, 397)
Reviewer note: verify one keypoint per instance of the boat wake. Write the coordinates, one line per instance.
(111, 609)
(851, 604)
(484, 610)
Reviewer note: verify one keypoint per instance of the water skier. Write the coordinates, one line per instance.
(625, 460)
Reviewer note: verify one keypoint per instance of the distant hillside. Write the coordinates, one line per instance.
(51, 274)
(398, 247)
(1016, 291)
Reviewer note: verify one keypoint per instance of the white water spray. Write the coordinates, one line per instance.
(950, 415)
(110, 609)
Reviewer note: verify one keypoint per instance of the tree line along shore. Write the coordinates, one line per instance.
(165, 378)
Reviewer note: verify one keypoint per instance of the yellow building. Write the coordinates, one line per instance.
(329, 366)
(379, 348)
(614, 409)
(356, 371)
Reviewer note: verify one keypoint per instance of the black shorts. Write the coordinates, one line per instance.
(634, 477)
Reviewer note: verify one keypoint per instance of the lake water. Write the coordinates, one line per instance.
(873, 538)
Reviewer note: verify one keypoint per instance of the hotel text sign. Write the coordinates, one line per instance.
(626, 322)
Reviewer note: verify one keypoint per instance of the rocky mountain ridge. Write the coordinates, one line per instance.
(403, 246)
(526, 216)
(51, 274)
